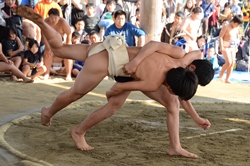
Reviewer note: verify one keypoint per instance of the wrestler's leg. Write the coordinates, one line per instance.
(89, 77)
(231, 59)
(68, 66)
(226, 54)
(171, 103)
(113, 105)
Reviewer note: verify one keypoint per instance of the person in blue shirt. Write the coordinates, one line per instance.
(125, 29)
(208, 9)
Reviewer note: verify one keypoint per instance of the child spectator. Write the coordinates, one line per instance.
(33, 63)
(7, 65)
(94, 37)
(212, 57)
(12, 47)
(171, 30)
(80, 25)
(91, 19)
(75, 39)
(107, 19)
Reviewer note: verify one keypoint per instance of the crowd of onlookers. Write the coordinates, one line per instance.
(195, 25)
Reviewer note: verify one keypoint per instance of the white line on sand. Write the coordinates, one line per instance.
(216, 132)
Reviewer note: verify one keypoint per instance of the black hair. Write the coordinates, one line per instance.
(54, 11)
(90, 5)
(79, 19)
(119, 12)
(6, 32)
(183, 82)
(204, 71)
(179, 14)
(237, 19)
(32, 42)
(93, 33)
(110, 2)
(197, 9)
(85, 42)
(137, 9)
(76, 34)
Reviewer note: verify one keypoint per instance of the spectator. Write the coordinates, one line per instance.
(171, 30)
(12, 47)
(208, 9)
(107, 18)
(11, 19)
(213, 21)
(75, 39)
(91, 19)
(94, 37)
(44, 6)
(8, 66)
(66, 10)
(236, 8)
(33, 62)
(246, 16)
(188, 7)
(61, 26)
(78, 10)
(212, 57)
(100, 8)
(80, 28)
(136, 19)
(242, 60)
(126, 29)
(122, 5)
(226, 12)
(223, 23)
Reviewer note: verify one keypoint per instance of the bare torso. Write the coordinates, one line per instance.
(230, 33)
(59, 27)
(192, 28)
(31, 30)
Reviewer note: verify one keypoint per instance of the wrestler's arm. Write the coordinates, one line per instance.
(189, 58)
(150, 48)
(221, 35)
(203, 123)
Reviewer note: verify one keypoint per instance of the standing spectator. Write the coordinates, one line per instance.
(246, 16)
(228, 45)
(91, 19)
(135, 20)
(66, 10)
(80, 28)
(62, 27)
(191, 26)
(11, 19)
(107, 18)
(100, 8)
(171, 30)
(236, 8)
(242, 60)
(188, 7)
(77, 11)
(12, 47)
(208, 9)
(33, 62)
(125, 29)
(134, 7)
(44, 6)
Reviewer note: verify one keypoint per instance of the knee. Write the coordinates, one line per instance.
(172, 104)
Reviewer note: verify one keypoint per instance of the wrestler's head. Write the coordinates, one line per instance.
(236, 21)
(182, 82)
(204, 71)
(54, 16)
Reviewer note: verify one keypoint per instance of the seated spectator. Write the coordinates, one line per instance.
(202, 45)
(75, 39)
(212, 57)
(126, 29)
(33, 62)
(13, 48)
(8, 66)
(107, 18)
(94, 37)
(171, 30)
(242, 56)
(80, 28)
(226, 12)
(188, 7)
(91, 19)
(57, 67)
(136, 19)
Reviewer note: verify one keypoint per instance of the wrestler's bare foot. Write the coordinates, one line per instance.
(181, 152)
(45, 119)
(28, 13)
(228, 82)
(27, 80)
(46, 76)
(68, 78)
(80, 141)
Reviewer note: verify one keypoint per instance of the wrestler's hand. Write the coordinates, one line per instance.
(203, 123)
(222, 49)
(9, 62)
(112, 92)
(130, 68)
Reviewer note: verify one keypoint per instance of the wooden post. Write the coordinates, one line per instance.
(150, 20)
